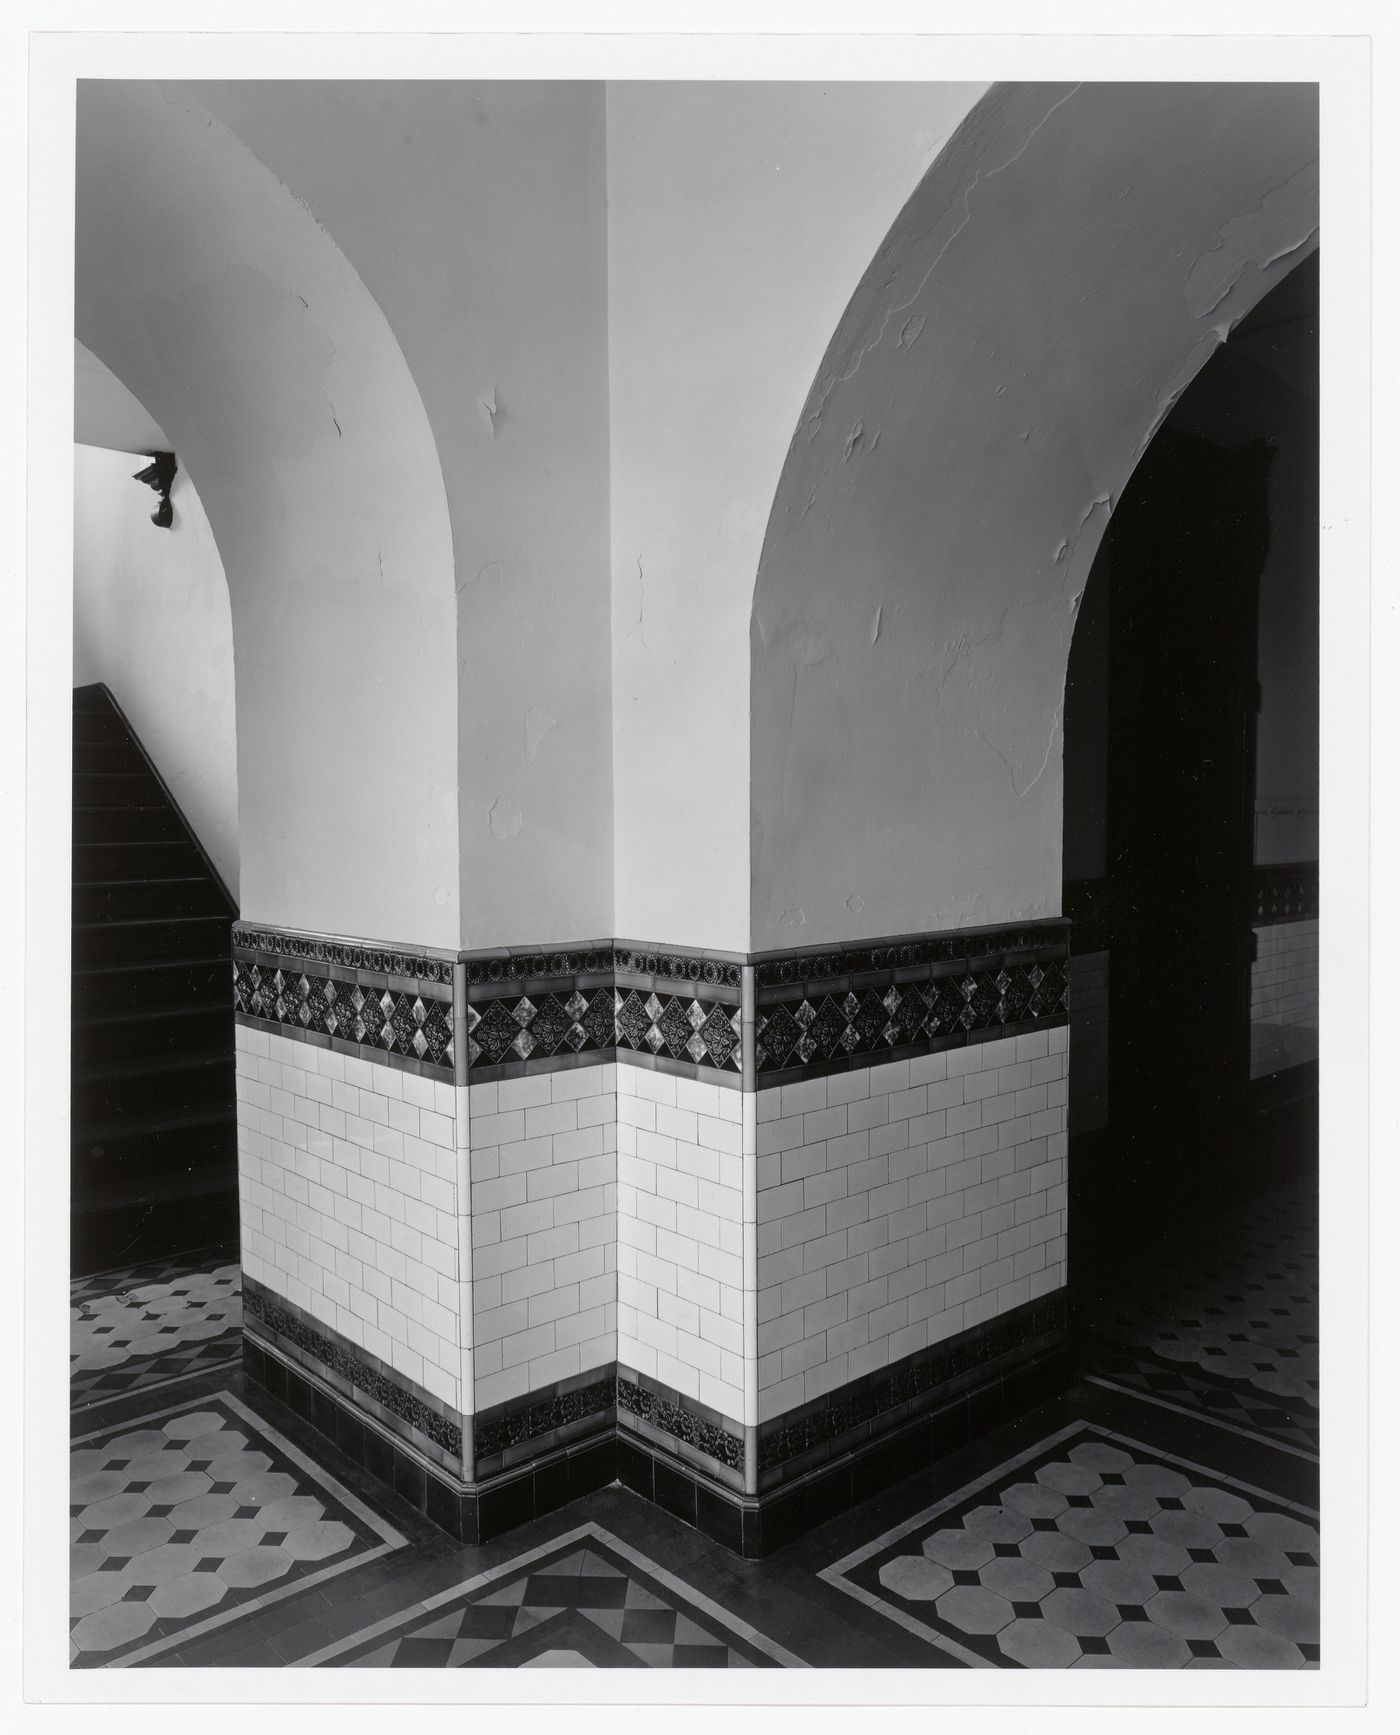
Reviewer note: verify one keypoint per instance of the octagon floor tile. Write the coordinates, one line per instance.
(118, 1624)
(1038, 1644)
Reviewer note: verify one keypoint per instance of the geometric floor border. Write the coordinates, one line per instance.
(470, 1588)
(389, 1538)
(838, 1573)
(1270, 1440)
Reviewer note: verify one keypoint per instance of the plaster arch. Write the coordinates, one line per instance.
(1059, 276)
(217, 300)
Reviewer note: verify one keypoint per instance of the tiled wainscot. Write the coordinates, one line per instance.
(517, 1224)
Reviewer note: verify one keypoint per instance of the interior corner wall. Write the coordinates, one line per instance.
(1058, 278)
(151, 620)
(740, 217)
(475, 213)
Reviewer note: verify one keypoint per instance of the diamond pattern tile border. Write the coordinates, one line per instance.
(1091, 1550)
(584, 1600)
(189, 1518)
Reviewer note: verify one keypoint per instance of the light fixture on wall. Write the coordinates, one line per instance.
(160, 475)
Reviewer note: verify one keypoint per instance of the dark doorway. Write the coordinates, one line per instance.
(1162, 836)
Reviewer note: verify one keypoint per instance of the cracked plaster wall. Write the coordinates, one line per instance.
(475, 215)
(215, 297)
(739, 217)
(1055, 282)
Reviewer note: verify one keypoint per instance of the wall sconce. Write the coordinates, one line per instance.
(160, 475)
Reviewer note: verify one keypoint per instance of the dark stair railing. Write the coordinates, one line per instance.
(154, 1129)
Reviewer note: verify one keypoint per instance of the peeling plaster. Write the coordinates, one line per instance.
(505, 818)
(1244, 238)
(486, 403)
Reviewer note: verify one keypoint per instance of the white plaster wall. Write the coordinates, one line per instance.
(901, 1204)
(544, 1229)
(217, 299)
(348, 1201)
(475, 214)
(1060, 275)
(740, 218)
(151, 620)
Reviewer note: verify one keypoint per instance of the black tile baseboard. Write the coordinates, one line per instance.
(751, 1526)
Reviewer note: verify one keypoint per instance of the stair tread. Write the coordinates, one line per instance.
(144, 1065)
(170, 1008)
(152, 880)
(155, 921)
(201, 962)
(152, 1121)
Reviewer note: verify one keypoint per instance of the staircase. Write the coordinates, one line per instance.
(154, 1140)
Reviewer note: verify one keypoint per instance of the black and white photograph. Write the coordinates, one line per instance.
(706, 947)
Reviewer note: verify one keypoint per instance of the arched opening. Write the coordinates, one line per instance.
(1191, 796)
(1065, 268)
(227, 312)
(217, 299)
(985, 410)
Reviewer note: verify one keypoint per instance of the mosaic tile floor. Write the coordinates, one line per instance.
(147, 1325)
(1095, 1551)
(585, 1601)
(1123, 1525)
(188, 1519)
(1233, 1327)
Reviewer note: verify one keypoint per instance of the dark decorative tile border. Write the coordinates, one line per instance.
(528, 1419)
(364, 1373)
(519, 1027)
(908, 952)
(541, 1413)
(887, 1390)
(681, 1422)
(348, 954)
(850, 1006)
(679, 1026)
(366, 1000)
(601, 958)
(1285, 892)
(526, 1010)
(534, 1010)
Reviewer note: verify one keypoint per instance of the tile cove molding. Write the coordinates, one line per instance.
(746, 1022)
